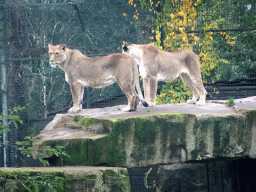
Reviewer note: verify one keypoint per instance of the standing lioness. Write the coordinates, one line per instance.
(81, 71)
(156, 65)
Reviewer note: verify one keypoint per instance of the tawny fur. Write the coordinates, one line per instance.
(81, 71)
(156, 65)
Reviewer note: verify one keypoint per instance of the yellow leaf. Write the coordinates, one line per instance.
(170, 24)
(124, 14)
(185, 39)
(181, 29)
(180, 14)
(136, 17)
(172, 15)
(196, 38)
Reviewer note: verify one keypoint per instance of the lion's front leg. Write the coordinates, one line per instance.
(81, 98)
(76, 97)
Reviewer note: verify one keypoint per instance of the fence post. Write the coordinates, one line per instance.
(88, 101)
(4, 106)
(87, 89)
(4, 83)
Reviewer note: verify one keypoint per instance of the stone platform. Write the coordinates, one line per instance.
(162, 134)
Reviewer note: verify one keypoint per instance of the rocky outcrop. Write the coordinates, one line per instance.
(161, 134)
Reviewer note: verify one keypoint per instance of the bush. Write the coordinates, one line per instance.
(174, 92)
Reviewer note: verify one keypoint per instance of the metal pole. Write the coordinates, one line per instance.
(4, 106)
(4, 84)
(87, 89)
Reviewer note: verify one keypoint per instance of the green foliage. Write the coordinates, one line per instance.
(26, 149)
(146, 178)
(28, 181)
(26, 146)
(236, 47)
(13, 117)
(241, 56)
(174, 92)
(32, 182)
(230, 101)
(154, 182)
(84, 121)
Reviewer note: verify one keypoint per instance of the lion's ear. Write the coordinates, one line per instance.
(63, 47)
(125, 48)
(50, 46)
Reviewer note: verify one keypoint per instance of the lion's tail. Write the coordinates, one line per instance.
(137, 84)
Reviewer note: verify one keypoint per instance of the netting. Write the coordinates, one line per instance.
(98, 28)
(94, 27)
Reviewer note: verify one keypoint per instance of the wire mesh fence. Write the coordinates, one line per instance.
(97, 28)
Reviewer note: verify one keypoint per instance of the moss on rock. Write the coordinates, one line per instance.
(161, 138)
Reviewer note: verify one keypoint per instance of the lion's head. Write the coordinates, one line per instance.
(57, 54)
(133, 50)
(125, 48)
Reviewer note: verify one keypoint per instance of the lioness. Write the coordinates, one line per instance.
(81, 71)
(156, 65)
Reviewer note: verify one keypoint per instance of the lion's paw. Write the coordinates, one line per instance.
(74, 110)
(191, 102)
(200, 103)
(127, 109)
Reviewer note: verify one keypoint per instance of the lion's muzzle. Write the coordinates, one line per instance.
(53, 65)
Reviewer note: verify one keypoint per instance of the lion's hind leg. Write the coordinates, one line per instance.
(196, 85)
(202, 92)
(129, 91)
(189, 83)
(150, 89)
(133, 100)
